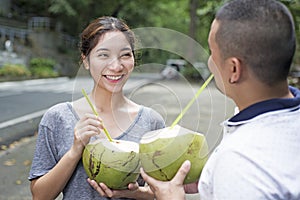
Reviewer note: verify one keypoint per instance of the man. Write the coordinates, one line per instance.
(252, 45)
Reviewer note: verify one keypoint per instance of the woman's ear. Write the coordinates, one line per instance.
(85, 62)
(235, 70)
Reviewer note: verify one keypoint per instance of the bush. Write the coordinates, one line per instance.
(14, 71)
(43, 72)
(191, 74)
(294, 81)
(42, 67)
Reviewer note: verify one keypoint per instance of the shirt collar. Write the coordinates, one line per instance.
(267, 106)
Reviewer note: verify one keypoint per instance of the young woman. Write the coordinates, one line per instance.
(107, 51)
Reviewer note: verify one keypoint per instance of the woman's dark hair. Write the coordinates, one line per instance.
(97, 28)
(261, 34)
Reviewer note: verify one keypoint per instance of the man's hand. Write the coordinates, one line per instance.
(166, 190)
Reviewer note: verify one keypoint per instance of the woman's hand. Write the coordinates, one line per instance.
(133, 191)
(166, 190)
(89, 125)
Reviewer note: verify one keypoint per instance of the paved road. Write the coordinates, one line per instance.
(168, 97)
(23, 103)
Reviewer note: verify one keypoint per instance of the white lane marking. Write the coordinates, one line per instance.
(22, 119)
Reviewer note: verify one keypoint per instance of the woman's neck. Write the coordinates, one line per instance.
(106, 101)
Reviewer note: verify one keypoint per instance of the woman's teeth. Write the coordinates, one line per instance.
(113, 77)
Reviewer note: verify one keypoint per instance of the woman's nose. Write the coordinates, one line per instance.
(115, 64)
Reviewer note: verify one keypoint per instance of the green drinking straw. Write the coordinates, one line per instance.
(96, 113)
(192, 101)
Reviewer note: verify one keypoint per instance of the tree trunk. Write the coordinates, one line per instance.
(193, 5)
(192, 52)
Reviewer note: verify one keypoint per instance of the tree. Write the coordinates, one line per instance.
(294, 6)
(193, 18)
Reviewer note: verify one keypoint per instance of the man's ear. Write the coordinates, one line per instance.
(235, 70)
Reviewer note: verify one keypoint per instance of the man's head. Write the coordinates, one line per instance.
(260, 34)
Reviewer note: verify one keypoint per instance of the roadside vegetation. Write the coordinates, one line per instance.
(38, 68)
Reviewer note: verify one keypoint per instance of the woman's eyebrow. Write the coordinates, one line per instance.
(106, 49)
(126, 49)
(102, 49)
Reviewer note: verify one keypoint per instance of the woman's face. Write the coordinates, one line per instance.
(110, 62)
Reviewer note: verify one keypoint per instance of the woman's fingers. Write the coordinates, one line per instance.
(89, 125)
(96, 186)
(108, 192)
(101, 188)
(89, 119)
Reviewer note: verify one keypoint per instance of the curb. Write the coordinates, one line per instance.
(31, 82)
(19, 130)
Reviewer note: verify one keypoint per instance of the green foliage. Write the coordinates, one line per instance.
(192, 74)
(62, 6)
(23, 9)
(42, 67)
(294, 6)
(42, 62)
(294, 81)
(39, 68)
(153, 56)
(43, 72)
(13, 71)
(174, 15)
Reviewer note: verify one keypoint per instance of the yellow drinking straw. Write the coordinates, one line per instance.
(96, 113)
(192, 100)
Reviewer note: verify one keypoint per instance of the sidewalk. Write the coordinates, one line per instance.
(168, 97)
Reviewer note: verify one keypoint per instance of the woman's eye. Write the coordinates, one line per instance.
(126, 55)
(103, 55)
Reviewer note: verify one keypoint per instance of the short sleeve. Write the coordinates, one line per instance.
(44, 155)
(156, 120)
(55, 137)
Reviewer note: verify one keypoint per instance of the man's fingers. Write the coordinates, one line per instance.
(143, 174)
(182, 172)
(147, 179)
(178, 178)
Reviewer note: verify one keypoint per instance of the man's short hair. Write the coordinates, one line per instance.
(261, 34)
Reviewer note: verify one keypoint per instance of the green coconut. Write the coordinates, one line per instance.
(163, 151)
(115, 164)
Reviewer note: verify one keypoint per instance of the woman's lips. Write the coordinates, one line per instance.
(113, 77)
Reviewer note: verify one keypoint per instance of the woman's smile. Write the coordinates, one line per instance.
(114, 78)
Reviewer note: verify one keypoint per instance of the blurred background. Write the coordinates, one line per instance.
(39, 38)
